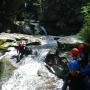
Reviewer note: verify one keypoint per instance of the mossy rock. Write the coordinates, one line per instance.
(6, 68)
(2, 41)
(1, 68)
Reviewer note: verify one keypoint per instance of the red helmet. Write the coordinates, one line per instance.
(75, 51)
(81, 46)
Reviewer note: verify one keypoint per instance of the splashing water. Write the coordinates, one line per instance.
(32, 74)
(39, 29)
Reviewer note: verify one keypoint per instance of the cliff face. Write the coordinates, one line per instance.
(62, 16)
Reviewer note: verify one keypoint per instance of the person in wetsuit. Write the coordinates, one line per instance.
(74, 78)
(83, 54)
(20, 50)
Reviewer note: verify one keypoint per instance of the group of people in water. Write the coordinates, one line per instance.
(78, 74)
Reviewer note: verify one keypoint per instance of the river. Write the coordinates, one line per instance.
(31, 73)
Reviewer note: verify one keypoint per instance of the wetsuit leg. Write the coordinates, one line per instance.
(86, 80)
(65, 85)
(19, 55)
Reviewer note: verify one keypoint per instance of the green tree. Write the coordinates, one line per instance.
(85, 32)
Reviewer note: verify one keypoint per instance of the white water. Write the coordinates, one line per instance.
(39, 28)
(31, 73)
(44, 30)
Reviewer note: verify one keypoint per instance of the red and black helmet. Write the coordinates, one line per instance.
(81, 46)
(75, 51)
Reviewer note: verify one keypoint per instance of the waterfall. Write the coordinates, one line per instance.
(33, 75)
(39, 29)
(44, 30)
(28, 27)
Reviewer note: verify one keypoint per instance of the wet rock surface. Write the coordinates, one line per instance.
(49, 55)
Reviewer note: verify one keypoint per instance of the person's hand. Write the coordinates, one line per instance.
(64, 60)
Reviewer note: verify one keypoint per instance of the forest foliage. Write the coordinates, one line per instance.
(85, 31)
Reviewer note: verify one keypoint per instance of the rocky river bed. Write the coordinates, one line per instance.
(32, 73)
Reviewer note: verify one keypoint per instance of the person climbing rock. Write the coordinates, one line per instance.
(74, 78)
(83, 54)
(20, 50)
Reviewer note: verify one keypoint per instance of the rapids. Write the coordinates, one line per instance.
(31, 73)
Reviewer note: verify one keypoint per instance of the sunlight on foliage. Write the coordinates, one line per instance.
(85, 32)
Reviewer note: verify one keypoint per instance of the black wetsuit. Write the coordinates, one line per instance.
(20, 51)
(74, 82)
(84, 57)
